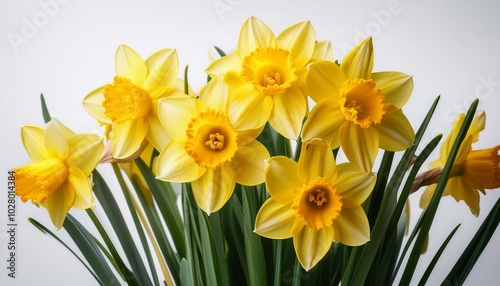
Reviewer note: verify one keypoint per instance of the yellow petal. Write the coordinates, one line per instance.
(352, 227)
(59, 203)
(360, 145)
(175, 165)
(395, 86)
(85, 150)
(282, 177)
(162, 72)
(426, 196)
(129, 64)
(156, 134)
(275, 220)
(353, 184)
(249, 109)
(248, 164)
(311, 246)
(300, 40)
(215, 94)
(93, 105)
(462, 190)
(324, 122)
(128, 136)
(358, 62)
(214, 188)
(55, 141)
(82, 189)
(176, 113)
(289, 110)
(477, 125)
(395, 132)
(254, 35)
(316, 160)
(33, 141)
(231, 62)
(247, 136)
(323, 51)
(324, 79)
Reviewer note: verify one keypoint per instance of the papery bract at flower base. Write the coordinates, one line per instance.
(130, 104)
(58, 178)
(315, 202)
(212, 146)
(473, 170)
(357, 109)
(267, 72)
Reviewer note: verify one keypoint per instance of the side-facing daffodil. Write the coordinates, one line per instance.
(58, 177)
(129, 105)
(268, 72)
(473, 170)
(357, 109)
(213, 145)
(316, 202)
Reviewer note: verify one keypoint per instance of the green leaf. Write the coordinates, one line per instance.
(45, 110)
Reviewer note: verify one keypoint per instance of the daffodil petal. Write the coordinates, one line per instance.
(214, 188)
(395, 132)
(395, 86)
(162, 72)
(85, 150)
(360, 145)
(248, 164)
(215, 94)
(275, 220)
(82, 189)
(324, 80)
(288, 112)
(353, 184)
(426, 196)
(248, 109)
(316, 160)
(324, 123)
(311, 246)
(231, 62)
(352, 227)
(129, 64)
(463, 191)
(175, 165)
(59, 203)
(248, 135)
(156, 134)
(323, 50)
(128, 137)
(33, 141)
(254, 34)
(300, 40)
(54, 139)
(358, 62)
(477, 125)
(282, 177)
(93, 105)
(176, 113)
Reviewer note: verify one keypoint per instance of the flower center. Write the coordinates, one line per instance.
(211, 139)
(38, 180)
(124, 101)
(361, 103)
(270, 70)
(317, 204)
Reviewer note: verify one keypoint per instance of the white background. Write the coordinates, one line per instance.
(66, 49)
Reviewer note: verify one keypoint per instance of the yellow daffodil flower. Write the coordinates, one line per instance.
(357, 109)
(213, 145)
(129, 105)
(58, 177)
(268, 72)
(315, 202)
(473, 170)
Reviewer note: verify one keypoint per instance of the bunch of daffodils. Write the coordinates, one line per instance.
(239, 183)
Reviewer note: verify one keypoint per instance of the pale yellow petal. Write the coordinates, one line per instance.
(82, 188)
(396, 87)
(316, 160)
(156, 135)
(353, 184)
(324, 80)
(227, 63)
(93, 105)
(129, 64)
(59, 203)
(33, 141)
(248, 164)
(175, 165)
(477, 125)
(299, 40)
(324, 122)
(254, 35)
(128, 136)
(462, 190)
(289, 110)
(395, 132)
(55, 141)
(352, 227)
(85, 150)
(311, 246)
(215, 94)
(248, 135)
(162, 72)
(323, 51)
(282, 177)
(249, 109)
(176, 113)
(360, 145)
(214, 188)
(358, 62)
(275, 220)
(426, 196)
